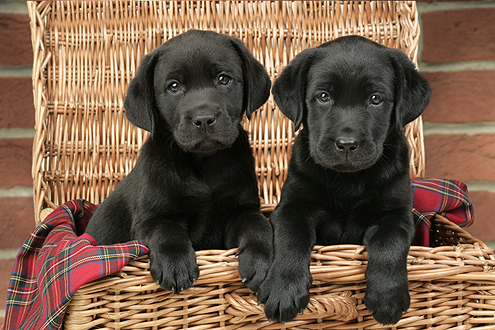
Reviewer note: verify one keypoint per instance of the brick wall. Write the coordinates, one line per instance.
(16, 137)
(457, 56)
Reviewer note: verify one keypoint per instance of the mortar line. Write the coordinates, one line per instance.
(6, 254)
(17, 133)
(456, 66)
(480, 186)
(474, 128)
(16, 71)
(17, 192)
(13, 7)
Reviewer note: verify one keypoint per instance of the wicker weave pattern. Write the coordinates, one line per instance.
(451, 287)
(86, 53)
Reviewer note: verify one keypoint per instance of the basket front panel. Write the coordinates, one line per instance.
(87, 52)
(451, 287)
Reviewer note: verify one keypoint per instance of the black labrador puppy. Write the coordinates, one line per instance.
(348, 179)
(194, 185)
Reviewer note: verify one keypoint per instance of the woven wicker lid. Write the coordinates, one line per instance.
(86, 53)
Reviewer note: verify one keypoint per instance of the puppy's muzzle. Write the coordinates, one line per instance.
(205, 129)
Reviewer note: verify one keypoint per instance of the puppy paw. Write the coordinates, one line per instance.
(175, 271)
(387, 302)
(254, 262)
(285, 293)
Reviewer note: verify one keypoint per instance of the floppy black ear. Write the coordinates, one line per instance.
(412, 92)
(257, 83)
(139, 102)
(289, 89)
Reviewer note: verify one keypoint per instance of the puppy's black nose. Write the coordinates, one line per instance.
(346, 144)
(204, 120)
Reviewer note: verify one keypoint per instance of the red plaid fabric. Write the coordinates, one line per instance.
(448, 198)
(54, 262)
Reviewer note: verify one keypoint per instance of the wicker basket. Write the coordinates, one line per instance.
(451, 287)
(86, 53)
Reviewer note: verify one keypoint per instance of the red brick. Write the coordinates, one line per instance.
(15, 163)
(458, 35)
(15, 38)
(6, 266)
(483, 227)
(17, 221)
(461, 157)
(459, 97)
(16, 103)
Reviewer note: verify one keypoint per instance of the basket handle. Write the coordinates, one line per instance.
(246, 308)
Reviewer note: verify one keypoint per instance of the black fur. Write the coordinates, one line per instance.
(194, 185)
(348, 179)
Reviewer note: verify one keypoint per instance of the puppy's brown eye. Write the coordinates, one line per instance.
(224, 80)
(174, 87)
(376, 99)
(323, 97)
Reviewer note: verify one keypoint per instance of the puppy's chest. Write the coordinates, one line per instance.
(341, 228)
(204, 209)
(345, 217)
(203, 189)
(199, 199)
(348, 198)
